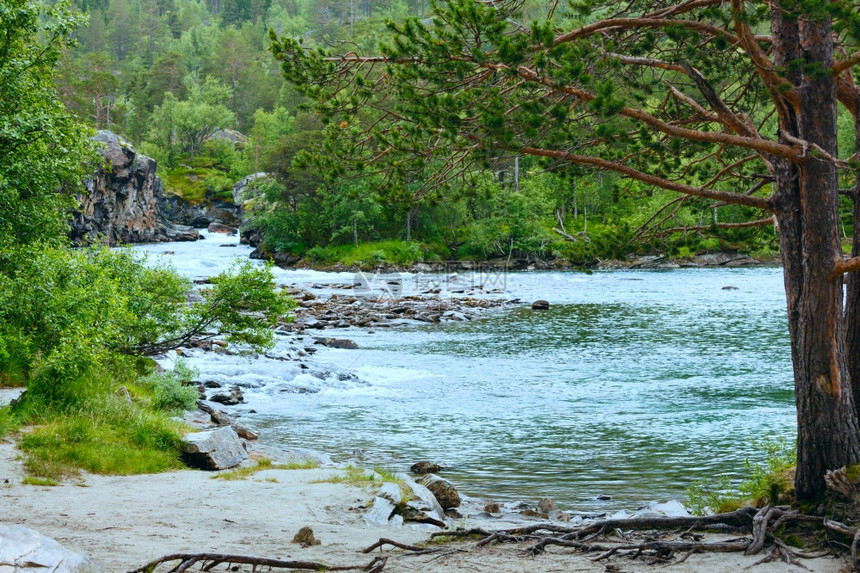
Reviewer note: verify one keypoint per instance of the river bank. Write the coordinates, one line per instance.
(126, 521)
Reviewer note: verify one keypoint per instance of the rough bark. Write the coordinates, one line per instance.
(807, 213)
(852, 298)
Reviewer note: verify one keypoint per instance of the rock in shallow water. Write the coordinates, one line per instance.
(443, 490)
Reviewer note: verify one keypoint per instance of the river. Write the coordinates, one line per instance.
(632, 385)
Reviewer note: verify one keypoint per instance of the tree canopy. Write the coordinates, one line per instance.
(44, 148)
(730, 102)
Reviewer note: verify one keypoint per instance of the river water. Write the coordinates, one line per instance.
(633, 384)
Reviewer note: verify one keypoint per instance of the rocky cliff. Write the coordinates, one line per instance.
(123, 201)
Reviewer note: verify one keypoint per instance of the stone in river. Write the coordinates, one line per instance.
(217, 449)
(540, 305)
(219, 228)
(336, 343)
(422, 468)
(234, 397)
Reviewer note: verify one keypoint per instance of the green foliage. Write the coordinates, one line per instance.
(767, 482)
(369, 254)
(108, 436)
(34, 125)
(172, 391)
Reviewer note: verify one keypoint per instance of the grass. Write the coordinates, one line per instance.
(113, 437)
(360, 477)
(769, 482)
(31, 480)
(193, 184)
(264, 464)
(104, 430)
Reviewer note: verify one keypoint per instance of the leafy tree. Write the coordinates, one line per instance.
(729, 102)
(44, 149)
(192, 121)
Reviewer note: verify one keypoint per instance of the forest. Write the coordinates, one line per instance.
(168, 74)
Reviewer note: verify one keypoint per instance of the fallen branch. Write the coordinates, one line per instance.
(414, 548)
(211, 560)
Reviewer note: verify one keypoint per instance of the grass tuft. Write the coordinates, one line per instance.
(31, 480)
(264, 464)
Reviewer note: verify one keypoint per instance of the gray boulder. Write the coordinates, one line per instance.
(23, 550)
(217, 449)
(427, 508)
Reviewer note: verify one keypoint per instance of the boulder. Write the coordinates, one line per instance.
(380, 512)
(391, 492)
(426, 507)
(221, 228)
(23, 550)
(540, 305)
(443, 490)
(234, 397)
(217, 449)
(422, 468)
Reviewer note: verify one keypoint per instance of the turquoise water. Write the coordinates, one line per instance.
(633, 384)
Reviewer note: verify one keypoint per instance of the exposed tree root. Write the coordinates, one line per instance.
(758, 529)
(210, 560)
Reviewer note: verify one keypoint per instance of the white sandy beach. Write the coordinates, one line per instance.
(124, 522)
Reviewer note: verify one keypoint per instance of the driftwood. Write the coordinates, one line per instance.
(211, 560)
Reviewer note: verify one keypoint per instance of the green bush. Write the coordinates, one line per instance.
(171, 390)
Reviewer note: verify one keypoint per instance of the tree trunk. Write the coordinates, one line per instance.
(852, 299)
(807, 212)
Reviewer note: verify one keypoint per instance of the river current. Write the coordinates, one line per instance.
(632, 385)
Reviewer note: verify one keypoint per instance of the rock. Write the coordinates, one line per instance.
(391, 492)
(305, 537)
(422, 468)
(380, 512)
(545, 505)
(730, 288)
(234, 397)
(426, 504)
(23, 550)
(443, 490)
(223, 419)
(336, 343)
(540, 305)
(26, 551)
(491, 506)
(603, 497)
(123, 201)
(213, 449)
(221, 228)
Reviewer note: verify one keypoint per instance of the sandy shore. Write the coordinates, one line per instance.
(126, 521)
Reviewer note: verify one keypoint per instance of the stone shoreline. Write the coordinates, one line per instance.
(654, 261)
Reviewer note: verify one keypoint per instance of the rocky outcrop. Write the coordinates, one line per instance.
(122, 201)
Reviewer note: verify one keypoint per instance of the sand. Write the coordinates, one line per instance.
(124, 522)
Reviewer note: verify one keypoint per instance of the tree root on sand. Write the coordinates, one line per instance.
(654, 543)
(209, 561)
